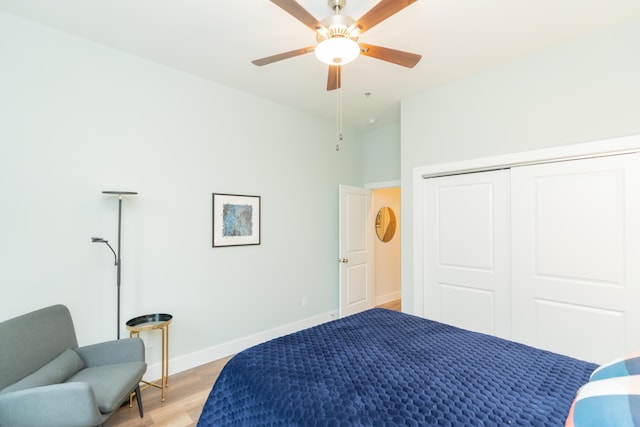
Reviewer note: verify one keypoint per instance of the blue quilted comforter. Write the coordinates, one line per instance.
(384, 368)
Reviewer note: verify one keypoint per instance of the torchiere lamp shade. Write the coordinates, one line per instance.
(120, 192)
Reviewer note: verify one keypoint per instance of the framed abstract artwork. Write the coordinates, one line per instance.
(236, 220)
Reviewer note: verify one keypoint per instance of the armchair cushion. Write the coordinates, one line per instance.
(56, 371)
(30, 341)
(111, 383)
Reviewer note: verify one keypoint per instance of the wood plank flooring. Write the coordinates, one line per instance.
(184, 398)
(393, 305)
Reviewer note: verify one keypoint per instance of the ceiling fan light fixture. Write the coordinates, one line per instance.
(337, 51)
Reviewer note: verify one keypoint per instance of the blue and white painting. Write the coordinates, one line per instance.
(237, 220)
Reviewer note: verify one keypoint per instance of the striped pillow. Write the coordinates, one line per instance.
(608, 402)
(628, 365)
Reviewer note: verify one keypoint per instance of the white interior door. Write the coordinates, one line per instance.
(356, 287)
(467, 251)
(576, 256)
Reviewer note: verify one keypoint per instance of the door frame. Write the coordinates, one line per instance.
(608, 147)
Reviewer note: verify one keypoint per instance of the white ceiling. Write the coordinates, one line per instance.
(217, 40)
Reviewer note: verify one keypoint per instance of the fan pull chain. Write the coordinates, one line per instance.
(339, 135)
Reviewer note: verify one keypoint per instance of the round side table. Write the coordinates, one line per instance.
(150, 322)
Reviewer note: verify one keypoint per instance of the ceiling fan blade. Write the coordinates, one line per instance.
(294, 9)
(380, 12)
(399, 57)
(285, 55)
(334, 78)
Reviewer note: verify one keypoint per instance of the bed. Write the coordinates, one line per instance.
(382, 368)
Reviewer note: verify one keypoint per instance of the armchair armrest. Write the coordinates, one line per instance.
(112, 352)
(59, 405)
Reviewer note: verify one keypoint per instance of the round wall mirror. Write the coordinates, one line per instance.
(385, 224)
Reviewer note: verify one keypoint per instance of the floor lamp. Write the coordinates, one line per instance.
(116, 254)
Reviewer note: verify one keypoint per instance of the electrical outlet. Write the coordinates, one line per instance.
(305, 301)
(146, 339)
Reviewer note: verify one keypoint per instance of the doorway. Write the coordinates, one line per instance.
(386, 254)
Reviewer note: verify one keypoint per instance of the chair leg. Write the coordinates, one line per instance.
(139, 399)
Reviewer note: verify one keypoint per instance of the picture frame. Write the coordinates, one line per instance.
(235, 220)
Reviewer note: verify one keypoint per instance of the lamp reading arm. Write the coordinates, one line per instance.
(106, 242)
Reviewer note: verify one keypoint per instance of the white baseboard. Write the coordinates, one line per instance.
(192, 360)
(393, 296)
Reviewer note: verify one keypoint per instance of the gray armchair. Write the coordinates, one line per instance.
(46, 380)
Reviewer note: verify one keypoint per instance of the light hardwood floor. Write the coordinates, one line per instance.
(393, 305)
(184, 398)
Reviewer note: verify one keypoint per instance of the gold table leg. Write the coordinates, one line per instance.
(163, 383)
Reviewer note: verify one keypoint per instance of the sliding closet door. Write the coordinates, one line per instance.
(466, 251)
(576, 256)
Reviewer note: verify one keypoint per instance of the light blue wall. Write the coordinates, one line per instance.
(382, 154)
(77, 118)
(584, 90)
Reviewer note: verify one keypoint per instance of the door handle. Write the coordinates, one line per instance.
(343, 260)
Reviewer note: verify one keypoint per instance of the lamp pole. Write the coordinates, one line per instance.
(118, 259)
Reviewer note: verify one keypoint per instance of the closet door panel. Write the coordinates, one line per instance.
(466, 251)
(557, 322)
(576, 281)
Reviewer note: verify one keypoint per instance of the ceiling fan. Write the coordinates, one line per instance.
(337, 37)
